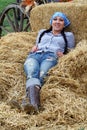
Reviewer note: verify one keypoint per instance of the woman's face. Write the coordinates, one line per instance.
(57, 24)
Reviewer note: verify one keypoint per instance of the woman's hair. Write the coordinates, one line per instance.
(63, 34)
(46, 31)
(66, 42)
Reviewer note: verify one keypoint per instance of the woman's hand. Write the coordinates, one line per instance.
(60, 54)
(34, 49)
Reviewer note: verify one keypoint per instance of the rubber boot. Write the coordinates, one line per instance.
(34, 100)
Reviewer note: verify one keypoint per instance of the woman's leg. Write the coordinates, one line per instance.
(45, 66)
(32, 70)
(31, 67)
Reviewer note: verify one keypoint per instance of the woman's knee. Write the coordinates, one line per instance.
(31, 65)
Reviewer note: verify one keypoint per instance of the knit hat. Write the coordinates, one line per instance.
(62, 15)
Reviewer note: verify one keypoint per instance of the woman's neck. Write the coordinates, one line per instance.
(56, 32)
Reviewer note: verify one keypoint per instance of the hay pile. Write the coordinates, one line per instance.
(63, 96)
(13, 51)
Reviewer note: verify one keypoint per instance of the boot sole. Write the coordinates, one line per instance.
(29, 109)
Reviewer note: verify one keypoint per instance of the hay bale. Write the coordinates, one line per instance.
(80, 1)
(77, 13)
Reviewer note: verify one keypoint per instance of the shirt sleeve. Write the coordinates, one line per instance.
(39, 33)
(71, 40)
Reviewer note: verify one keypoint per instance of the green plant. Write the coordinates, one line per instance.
(4, 3)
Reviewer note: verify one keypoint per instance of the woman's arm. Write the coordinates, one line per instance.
(70, 43)
(39, 33)
(71, 40)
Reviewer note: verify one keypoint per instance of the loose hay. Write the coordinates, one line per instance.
(15, 49)
(63, 96)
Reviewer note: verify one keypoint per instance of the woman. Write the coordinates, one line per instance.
(50, 45)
